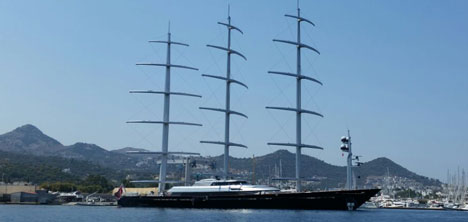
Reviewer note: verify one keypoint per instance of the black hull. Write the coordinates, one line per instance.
(321, 200)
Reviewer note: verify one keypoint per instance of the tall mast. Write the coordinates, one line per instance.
(227, 110)
(298, 109)
(166, 121)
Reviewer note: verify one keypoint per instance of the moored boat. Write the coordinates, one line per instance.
(238, 194)
(317, 200)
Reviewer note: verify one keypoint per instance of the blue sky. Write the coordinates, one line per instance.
(394, 72)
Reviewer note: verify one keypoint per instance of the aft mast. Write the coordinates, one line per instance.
(227, 110)
(298, 109)
(166, 121)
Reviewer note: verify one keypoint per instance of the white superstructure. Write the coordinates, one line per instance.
(220, 187)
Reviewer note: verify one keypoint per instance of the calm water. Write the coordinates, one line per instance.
(13, 213)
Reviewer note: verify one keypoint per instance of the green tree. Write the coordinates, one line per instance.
(98, 183)
(60, 186)
(126, 183)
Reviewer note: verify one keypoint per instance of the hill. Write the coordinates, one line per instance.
(371, 173)
(28, 154)
(29, 140)
(38, 169)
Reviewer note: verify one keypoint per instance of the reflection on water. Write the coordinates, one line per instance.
(30, 213)
(240, 211)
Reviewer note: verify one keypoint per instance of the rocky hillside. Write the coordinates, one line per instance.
(29, 140)
(43, 152)
(330, 176)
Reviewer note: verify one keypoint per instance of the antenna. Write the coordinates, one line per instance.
(253, 169)
(227, 110)
(298, 109)
(347, 147)
(166, 121)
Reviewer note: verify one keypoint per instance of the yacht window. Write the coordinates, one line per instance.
(219, 184)
(225, 183)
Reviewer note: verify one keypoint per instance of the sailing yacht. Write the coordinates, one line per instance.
(227, 193)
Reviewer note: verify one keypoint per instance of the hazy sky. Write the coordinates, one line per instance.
(394, 72)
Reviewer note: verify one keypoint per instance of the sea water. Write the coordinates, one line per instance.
(30, 213)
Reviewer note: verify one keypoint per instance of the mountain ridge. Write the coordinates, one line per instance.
(29, 140)
(330, 175)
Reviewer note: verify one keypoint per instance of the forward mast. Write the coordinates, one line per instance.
(166, 120)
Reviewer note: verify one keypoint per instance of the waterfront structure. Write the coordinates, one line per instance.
(24, 197)
(137, 191)
(9, 188)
